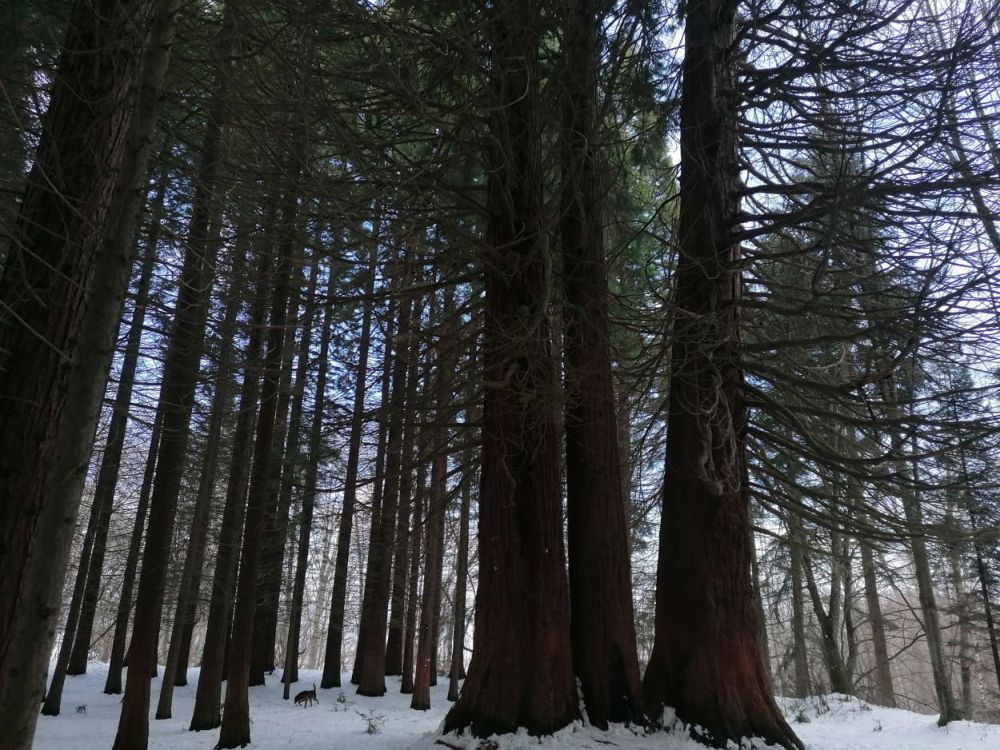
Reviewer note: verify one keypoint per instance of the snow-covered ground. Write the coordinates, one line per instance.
(829, 723)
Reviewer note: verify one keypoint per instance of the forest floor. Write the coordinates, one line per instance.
(341, 722)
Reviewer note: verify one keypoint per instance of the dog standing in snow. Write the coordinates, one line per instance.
(307, 697)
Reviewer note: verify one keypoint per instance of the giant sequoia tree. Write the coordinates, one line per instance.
(707, 661)
(756, 360)
(521, 670)
(603, 629)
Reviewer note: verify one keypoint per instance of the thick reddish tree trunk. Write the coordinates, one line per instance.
(605, 658)
(58, 273)
(521, 673)
(706, 661)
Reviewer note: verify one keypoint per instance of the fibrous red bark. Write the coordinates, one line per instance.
(521, 673)
(605, 658)
(706, 661)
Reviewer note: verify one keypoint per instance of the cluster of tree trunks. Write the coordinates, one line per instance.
(550, 615)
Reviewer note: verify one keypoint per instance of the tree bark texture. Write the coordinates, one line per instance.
(800, 652)
(605, 658)
(55, 281)
(521, 674)
(706, 661)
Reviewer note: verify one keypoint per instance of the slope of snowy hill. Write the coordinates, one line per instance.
(342, 719)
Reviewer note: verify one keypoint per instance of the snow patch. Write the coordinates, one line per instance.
(832, 722)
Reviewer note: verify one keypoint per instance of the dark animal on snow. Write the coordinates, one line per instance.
(81, 709)
(307, 697)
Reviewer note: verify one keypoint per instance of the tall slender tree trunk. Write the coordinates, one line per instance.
(426, 659)
(92, 564)
(521, 673)
(961, 606)
(206, 714)
(395, 646)
(291, 458)
(412, 598)
(828, 627)
(335, 628)
(706, 660)
(113, 684)
(438, 601)
(187, 590)
(800, 653)
(921, 562)
(424, 662)
(284, 451)
(72, 658)
(457, 671)
(291, 668)
(605, 658)
(180, 377)
(885, 694)
(377, 492)
(235, 730)
(371, 678)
